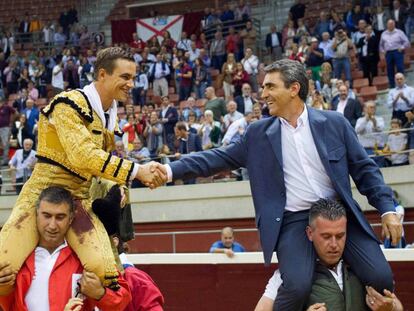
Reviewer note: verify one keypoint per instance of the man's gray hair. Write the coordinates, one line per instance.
(327, 209)
(291, 71)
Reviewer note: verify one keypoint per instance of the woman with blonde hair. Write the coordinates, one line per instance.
(326, 73)
(228, 70)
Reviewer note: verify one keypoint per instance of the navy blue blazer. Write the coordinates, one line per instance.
(339, 150)
(172, 116)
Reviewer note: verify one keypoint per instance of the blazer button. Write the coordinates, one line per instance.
(283, 194)
(278, 219)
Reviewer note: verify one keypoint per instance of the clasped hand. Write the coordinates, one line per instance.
(152, 174)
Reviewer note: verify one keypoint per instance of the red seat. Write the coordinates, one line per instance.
(368, 93)
(381, 82)
(360, 83)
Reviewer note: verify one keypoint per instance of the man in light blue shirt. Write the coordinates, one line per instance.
(23, 162)
(326, 46)
(401, 98)
(227, 245)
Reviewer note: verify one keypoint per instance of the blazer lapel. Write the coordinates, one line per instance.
(274, 135)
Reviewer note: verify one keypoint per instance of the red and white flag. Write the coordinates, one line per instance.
(150, 27)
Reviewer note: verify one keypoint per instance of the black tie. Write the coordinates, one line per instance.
(106, 119)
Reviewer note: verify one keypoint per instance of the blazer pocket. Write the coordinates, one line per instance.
(337, 154)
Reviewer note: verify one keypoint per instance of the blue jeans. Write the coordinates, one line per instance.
(342, 64)
(394, 59)
(200, 89)
(409, 25)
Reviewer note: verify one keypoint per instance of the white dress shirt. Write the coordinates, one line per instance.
(401, 104)
(37, 297)
(306, 180)
(369, 136)
(248, 104)
(275, 40)
(341, 106)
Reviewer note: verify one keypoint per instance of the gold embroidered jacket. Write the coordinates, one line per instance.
(71, 136)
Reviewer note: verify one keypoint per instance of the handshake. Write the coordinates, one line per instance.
(152, 174)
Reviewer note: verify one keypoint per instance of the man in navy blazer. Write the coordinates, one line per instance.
(350, 108)
(169, 117)
(305, 154)
(32, 114)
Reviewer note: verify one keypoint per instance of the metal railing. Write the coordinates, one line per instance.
(174, 234)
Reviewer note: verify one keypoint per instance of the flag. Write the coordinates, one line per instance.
(147, 28)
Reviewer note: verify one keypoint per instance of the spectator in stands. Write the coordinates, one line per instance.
(137, 42)
(341, 45)
(245, 101)
(326, 46)
(410, 126)
(193, 122)
(20, 102)
(188, 142)
(400, 98)
(326, 75)
(369, 129)
(251, 66)
(274, 43)
(139, 91)
(318, 101)
(54, 213)
(186, 79)
(368, 54)
(153, 134)
(295, 54)
(12, 74)
(23, 162)
(335, 284)
(392, 44)
(33, 93)
(232, 115)
(355, 16)
(154, 45)
(169, 117)
(359, 34)
(24, 78)
(215, 104)
(139, 152)
(184, 43)
(297, 10)
(314, 59)
(19, 132)
(194, 52)
(243, 11)
(85, 37)
(57, 76)
(289, 34)
(257, 111)
(228, 70)
(85, 72)
(59, 38)
(248, 35)
(209, 131)
(190, 107)
(409, 23)
(7, 114)
(120, 150)
(32, 114)
(218, 51)
(237, 129)
(201, 78)
(232, 42)
(322, 25)
(48, 34)
(397, 144)
(70, 75)
(399, 14)
(227, 15)
(350, 108)
(157, 74)
(379, 20)
(240, 77)
(7, 43)
(204, 56)
(132, 129)
(24, 28)
(227, 245)
(301, 30)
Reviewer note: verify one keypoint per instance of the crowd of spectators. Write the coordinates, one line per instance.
(212, 87)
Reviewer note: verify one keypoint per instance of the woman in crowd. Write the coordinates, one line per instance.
(209, 131)
(200, 75)
(228, 70)
(239, 78)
